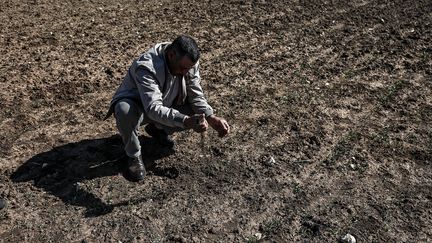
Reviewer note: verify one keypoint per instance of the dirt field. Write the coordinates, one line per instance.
(338, 93)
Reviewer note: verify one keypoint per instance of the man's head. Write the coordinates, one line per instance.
(182, 54)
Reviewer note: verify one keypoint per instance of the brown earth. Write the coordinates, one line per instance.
(338, 93)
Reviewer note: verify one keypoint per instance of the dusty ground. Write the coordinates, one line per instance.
(338, 93)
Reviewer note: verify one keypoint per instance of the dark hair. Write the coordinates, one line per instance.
(185, 45)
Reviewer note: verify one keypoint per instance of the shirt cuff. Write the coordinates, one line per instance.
(179, 120)
(208, 112)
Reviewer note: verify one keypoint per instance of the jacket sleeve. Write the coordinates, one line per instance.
(151, 98)
(195, 93)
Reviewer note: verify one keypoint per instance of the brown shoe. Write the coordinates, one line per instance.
(136, 168)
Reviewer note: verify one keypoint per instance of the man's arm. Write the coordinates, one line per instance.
(195, 93)
(200, 106)
(151, 98)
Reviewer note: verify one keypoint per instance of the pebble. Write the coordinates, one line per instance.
(178, 238)
(2, 203)
(270, 162)
(348, 239)
(258, 236)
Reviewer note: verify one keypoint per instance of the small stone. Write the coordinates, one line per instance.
(270, 161)
(352, 166)
(178, 238)
(258, 236)
(2, 203)
(347, 239)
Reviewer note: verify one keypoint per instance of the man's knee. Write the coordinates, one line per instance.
(122, 109)
(127, 111)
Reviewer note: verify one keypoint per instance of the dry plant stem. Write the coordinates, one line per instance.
(104, 162)
(202, 142)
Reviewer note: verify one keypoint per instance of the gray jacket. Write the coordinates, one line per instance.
(149, 83)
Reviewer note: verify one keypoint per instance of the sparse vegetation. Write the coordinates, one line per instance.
(390, 93)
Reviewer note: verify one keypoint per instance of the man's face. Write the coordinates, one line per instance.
(179, 66)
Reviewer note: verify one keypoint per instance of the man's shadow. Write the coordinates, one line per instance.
(60, 170)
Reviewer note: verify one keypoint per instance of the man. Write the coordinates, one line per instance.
(162, 89)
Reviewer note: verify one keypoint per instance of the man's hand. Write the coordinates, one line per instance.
(197, 122)
(219, 124)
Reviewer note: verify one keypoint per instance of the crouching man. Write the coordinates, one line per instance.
(162, 91)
